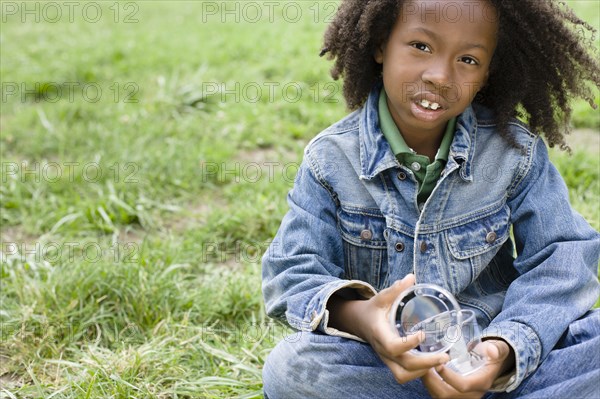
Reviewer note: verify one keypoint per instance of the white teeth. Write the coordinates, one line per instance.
(426, 104)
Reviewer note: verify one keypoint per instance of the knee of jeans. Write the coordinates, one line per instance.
(276, 371)
(587, 328)
(294, 361)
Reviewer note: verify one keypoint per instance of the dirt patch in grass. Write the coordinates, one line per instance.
(265, 155)
(16, 234)
(130, 235)
(585, 140)
(9, 380)
(193, 214)
(254, 164)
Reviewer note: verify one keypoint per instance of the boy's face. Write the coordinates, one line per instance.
(435, 60)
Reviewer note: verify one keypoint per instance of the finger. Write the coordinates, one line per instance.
(402, 375)
(480, 380)
(439, 388)
(398, 349)
(494, 350)
(395, 345)
(418, 362)
(389, 295)
(435, 385)
(399, 345)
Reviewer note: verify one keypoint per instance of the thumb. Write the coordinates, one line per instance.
(390, 294)
(495, 350)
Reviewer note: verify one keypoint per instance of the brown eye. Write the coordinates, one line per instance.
(421, 46)
(469, 60)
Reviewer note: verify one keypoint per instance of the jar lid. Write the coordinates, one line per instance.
(418, 304)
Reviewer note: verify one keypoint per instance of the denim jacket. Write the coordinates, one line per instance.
(354, 227)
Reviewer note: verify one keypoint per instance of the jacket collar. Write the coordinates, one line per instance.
(376, 154)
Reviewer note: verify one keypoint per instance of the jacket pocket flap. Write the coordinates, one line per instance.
(362, 228)
(476, 237)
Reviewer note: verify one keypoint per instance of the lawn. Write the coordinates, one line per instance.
(146, 151)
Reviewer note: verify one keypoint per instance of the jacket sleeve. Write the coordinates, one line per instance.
(557, 262)
(304, 265)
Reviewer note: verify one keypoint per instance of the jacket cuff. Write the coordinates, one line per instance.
(527, 348)
(318, 314)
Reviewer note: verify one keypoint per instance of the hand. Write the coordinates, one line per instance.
(442, 382)
(391, 348)
(369, 319)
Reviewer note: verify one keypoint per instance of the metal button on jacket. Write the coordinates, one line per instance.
(415, 166)
(401, 175)
(399, 246)
(366, 234)
(490, 237)
(423, 246)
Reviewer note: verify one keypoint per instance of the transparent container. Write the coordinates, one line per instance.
(447, 327)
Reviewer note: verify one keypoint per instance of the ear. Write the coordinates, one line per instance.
(378, 54)
(485, 78)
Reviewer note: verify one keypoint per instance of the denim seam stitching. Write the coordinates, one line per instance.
(523, 171)
(468, 254)
(462, 220)
(388, 194)
(315, 170)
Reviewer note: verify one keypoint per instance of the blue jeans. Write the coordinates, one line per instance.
(313, 365)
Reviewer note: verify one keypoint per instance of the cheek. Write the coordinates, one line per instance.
(469, 89)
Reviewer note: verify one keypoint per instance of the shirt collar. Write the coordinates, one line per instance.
(376, 154)
(394, 137)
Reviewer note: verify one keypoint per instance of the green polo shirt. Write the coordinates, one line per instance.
(426, 173)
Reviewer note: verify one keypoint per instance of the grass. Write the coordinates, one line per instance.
(145, 162)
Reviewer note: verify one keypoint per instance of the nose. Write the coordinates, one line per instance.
(438, 73)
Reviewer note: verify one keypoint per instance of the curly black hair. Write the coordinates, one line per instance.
(544, 53)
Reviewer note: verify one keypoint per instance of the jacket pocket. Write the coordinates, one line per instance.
(474, 244)
(365, 247)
